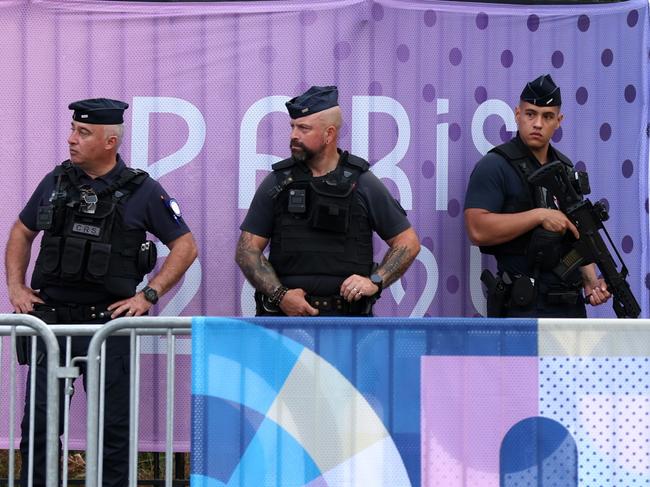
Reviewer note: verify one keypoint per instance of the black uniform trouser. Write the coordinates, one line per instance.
(116, 412)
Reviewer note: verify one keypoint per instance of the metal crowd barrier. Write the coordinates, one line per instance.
(134, 327)
(20, 325)
(14, 325)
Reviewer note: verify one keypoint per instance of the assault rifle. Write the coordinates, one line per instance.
(568, 187)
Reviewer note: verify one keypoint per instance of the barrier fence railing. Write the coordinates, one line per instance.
(134, 327)
(15, 325)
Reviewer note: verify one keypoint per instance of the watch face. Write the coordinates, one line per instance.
(151, 295)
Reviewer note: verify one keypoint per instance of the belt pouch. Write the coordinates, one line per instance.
(523, 292)
(147, 256)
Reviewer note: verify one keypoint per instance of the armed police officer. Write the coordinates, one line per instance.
(319, 209)
(94, 213)
(520, 224)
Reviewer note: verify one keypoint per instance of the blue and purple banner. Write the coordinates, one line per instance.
(426, 88)
(420, 402)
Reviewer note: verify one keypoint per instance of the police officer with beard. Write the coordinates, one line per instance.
(520, 224)
(94, 213)
(318, 209)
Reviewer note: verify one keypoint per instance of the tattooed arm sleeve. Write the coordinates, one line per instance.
(403, 248)
(254, 265)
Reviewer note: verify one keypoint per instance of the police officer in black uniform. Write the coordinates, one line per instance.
(520, 224)
(319, 209)
(94, 213)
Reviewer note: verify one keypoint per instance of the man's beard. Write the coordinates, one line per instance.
(301, 154)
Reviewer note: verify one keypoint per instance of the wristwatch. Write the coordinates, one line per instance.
(378, 281)
(150, 294)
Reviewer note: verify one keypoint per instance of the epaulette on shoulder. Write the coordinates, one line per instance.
(283, 164)
(137, 175)
(357, 162)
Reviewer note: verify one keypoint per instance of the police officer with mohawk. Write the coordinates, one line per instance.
(520, 224)
(94, 213)
(319, 209)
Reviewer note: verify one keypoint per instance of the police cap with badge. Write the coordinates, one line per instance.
(314, 100)
(99, 111)
(542, 92)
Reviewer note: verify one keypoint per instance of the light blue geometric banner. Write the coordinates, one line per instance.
(431, 402)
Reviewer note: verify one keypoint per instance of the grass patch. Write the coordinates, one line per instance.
(149, 467)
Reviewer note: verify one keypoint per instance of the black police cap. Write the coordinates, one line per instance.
(314, 100)
(99, 111)
(542, 92)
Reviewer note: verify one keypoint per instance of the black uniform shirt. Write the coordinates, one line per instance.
(145, 209)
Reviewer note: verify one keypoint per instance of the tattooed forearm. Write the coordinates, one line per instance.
(255, 266)
(395, 263)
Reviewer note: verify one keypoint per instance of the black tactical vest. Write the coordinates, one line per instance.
(319, 226)
(85, 244)
(524, 163)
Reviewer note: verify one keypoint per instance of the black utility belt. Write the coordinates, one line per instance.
(524, 290)
(516, 291)
(338, 304)
(71, 313)
(334, 304)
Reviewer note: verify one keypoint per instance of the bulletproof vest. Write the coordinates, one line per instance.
(319, 226)
(85, 244)
(524, 163)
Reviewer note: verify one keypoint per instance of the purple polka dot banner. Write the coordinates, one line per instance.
(426, 89)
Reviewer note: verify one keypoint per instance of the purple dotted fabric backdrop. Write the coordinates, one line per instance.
(426, 88)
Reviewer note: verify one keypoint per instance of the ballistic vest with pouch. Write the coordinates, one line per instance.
(85, 244)
(319, 225)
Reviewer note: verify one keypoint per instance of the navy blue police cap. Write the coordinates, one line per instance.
(99, 111)
(314, 100)
(542, 92)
